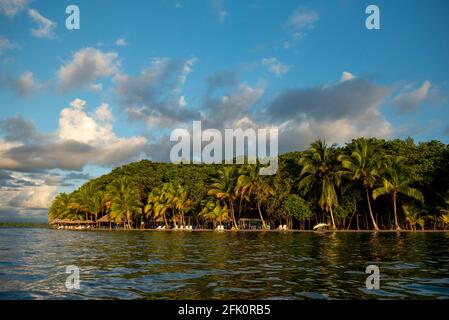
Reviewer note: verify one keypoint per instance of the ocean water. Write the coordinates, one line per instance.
(229, 265)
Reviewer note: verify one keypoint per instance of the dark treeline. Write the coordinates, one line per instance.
(367, 184)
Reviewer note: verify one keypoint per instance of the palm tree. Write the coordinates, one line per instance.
(148, 210)
(251, 183)
(445, 220)
(413, 215)
(163, 202)
(182, 202)
(215, 212)
(363, 166)
(60, 206)
(82, 200)
(223, 188)
(125, 201)
(97, 204)
(397, 181)
(317, 173)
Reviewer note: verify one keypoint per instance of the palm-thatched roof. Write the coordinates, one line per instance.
(106, 218)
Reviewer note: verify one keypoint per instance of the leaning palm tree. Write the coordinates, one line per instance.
(223, 188)
(395, 182)
(251, 184)
(363, 165)
(317, 173)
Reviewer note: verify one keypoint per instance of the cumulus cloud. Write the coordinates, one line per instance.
(336, 112)
(23, 86)
(22, 195)
(87, 66)
(410, 100)
(154, 95)
(275, 66)
(79, 141)
(18, 129)
(228, 103)
(12, 7)
(227, 109)
(103, 113)
(121, 42)
(345, 76)
(45, 27)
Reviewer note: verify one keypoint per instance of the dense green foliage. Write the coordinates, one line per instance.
(367, 184)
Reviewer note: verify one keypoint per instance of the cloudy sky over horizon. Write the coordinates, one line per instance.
(76, 103)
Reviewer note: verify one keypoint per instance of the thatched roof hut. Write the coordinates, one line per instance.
(105, 219)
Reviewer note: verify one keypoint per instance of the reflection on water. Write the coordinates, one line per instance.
(209, 265)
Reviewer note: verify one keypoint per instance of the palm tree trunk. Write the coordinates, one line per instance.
(232, 214)
(396, 223)
(349, 223)
(332, 217)
(260, 214)
(165, 220)
(370, 211)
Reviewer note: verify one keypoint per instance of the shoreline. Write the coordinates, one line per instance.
(261, 231)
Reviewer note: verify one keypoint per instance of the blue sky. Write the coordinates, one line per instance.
(76, 103)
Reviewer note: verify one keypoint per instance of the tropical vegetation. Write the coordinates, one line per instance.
(366, 184)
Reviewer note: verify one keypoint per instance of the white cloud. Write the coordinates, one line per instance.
(407, 101)
(275, 66)
(103, 113)
(45, 27)
(301, 19)
(108, 149)
(12, 7)
(121, 42)
(27, 191)
(297, 25)
(6, 44)
(345, 76)
(76, 125)
(81, 139)
(87, 66)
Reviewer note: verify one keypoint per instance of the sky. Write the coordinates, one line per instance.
(76, 103)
